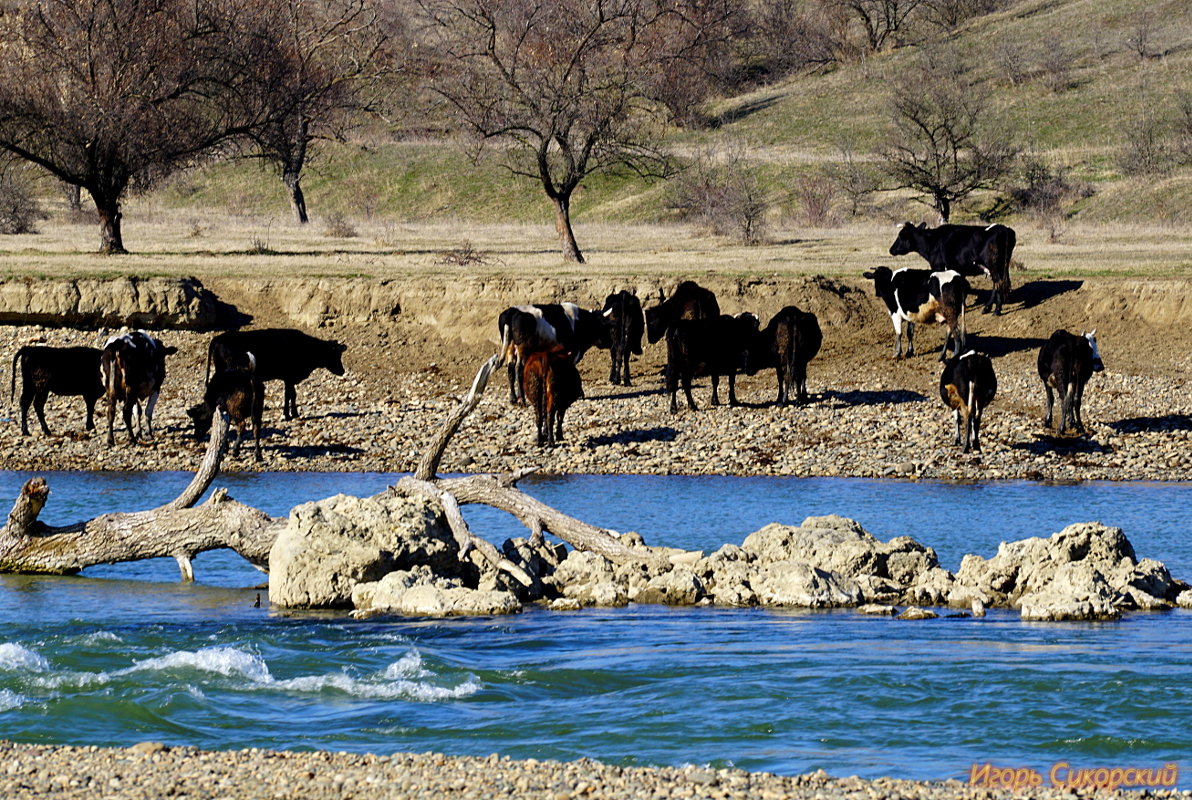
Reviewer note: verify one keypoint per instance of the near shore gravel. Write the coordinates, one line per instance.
(150, 770)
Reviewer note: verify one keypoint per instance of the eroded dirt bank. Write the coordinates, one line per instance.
(415, 342)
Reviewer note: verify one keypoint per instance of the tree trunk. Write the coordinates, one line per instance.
(74, 196)
(111, 241)
(293, 182)
(563, 226)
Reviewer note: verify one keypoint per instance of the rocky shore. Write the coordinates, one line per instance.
(152, 770)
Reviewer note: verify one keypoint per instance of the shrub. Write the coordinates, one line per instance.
(339, 228)
(718, 190)
(19, 208)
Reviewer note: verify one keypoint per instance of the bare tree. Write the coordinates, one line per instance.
(881, 19)
(944, 140)
(331, 54)
(109, 94)
(560, 82)
(790, 35)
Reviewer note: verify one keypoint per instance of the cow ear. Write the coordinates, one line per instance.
(170, 350)
(341, 347)
(1093, 333)
(922, 226)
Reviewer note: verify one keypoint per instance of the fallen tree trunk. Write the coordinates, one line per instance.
(177, 530)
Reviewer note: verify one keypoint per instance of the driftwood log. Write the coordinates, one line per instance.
(181, 530)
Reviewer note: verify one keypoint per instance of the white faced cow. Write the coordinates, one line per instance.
(922, 296)
(533, 328)
(1066, 362)
(968, 249)
(133, 367)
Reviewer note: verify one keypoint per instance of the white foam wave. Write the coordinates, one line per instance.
(226, 661)
(10, 700)
(380, 690)
(15, 657)
(99, 637)
(408, 666)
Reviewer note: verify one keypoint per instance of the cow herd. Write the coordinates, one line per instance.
(702, 342)
(130, 368)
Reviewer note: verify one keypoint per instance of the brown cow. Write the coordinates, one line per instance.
(551, 384)
(239, 392)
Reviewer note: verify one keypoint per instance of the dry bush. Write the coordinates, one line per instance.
(857, 180)
(1146, 150)
(817, 196)
(718, 190)
(339, 228)
(1055, 65)
(1046, 194)
(1012, 59)
(466, 255)
(19, 208)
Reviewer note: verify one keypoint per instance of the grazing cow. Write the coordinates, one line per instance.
(624, 313)
(281, 354)
(552, 384)
(968, 249)
(65, 371)
(1066, 362)
(787, 344)
(922, 296)
(242, 395)
(528, 329)
(967, 385)
(690, 301)
(715, 347)
(133, 366)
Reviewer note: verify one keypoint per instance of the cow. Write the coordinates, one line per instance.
(551, 385)
(66, 371)
(922, 296)
(714, 347)
(241, 394)
(968, 249)
(627, 324)
(281, 354)
(689, 301)
(528, 329)
(133, 366)
(1066, 362)
(967, 386)
(788, 343)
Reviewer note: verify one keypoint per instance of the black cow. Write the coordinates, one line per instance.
(133, 366)
(787, 344)
(552, 384)
(242, 395)
(967, 385)
(690, 301)
(922, 296)
(281, 354)
(529, 329)
(968, 249)
(66, 371)
(715, 347)
(627, 324)
(1066, 362)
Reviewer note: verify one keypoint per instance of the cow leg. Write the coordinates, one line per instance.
(1077, 403)
(910, 339)
(956, 426)
(559, 425)
(1050, 404)
(897, 335)
(732, 389)
(291, 401)
(782, 385)
(90, 401)
(975, 421)
(715, 389)
(150, 404)
(128, 407)
(800, 382)
(625, 369)
(687, 391)
(111, 419)
(39, 405)
(236, 444)
(1067, 396)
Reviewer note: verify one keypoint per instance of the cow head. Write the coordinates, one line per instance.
(201, 416)
(906, 240)
(334, 357)
(1091, 337)
(881, 277)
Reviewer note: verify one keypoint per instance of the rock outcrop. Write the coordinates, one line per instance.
(177, 303)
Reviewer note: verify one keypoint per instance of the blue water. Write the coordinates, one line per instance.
(125, 653)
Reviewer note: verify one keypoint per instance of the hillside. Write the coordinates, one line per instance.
(1065, 75)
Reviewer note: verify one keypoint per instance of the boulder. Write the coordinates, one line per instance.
(1076, 591)
(799, 585)
(915, 613)
(419, 592)
(676, 587)
(589, 579)
(330, 546)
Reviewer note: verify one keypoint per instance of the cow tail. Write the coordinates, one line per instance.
(207, 368)
(12, 386)
(506, 344)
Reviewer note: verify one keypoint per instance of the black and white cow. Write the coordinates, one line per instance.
(714, 347)
(788, 343)
(627, 324)
(690, 301)
(280, 354)
(529, 329)
(1066, 362)
(967, 386)
(133, 366)
(66, 371)
(922, 296)
(968, 249)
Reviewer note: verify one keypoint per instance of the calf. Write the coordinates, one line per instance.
(528, 329)
(551, 384)
(65, 371)
(690, 301)
(241, 394)
(787, 344)
(715, 347)
(967, 385)
(968, 249)
(922, 296)
(133, 366)
(1066, 362)
(624, 313)
(281, 354)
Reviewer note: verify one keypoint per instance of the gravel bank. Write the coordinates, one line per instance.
(149, 770)
(870, 418)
